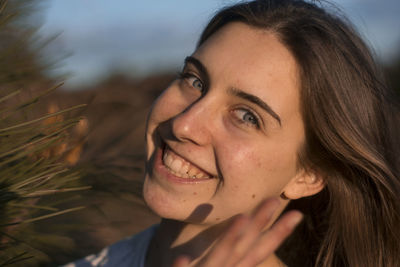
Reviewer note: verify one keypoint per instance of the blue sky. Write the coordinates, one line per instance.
(137, 37)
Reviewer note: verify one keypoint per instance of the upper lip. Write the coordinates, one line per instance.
(188, 160)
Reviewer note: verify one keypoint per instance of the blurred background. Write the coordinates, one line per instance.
(136, 38)
(116, 57)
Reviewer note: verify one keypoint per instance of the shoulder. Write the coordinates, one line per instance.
(130, 251)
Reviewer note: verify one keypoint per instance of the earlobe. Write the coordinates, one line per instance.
(304, 184)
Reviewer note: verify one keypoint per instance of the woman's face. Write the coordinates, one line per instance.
(225, 134)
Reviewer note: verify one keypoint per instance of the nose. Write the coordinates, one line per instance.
(193, 124)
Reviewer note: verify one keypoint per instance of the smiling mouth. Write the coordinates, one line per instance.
(180, 167)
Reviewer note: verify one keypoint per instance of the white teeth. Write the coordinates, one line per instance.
(200, 175)
(181, 168)
(167, 160)
(192, 172)
(176, 165)
(185, 168)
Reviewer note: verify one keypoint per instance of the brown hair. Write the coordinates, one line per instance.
(351, 123)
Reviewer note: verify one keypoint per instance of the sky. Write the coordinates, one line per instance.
(99, 37)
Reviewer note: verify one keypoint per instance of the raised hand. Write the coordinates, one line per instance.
(245, 244)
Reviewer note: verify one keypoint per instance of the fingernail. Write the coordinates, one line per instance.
(295, 220)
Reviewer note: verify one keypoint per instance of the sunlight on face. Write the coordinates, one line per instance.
(225, 134)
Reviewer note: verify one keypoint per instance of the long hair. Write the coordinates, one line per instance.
(352, 130)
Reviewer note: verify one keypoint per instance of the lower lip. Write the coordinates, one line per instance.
(162, 170)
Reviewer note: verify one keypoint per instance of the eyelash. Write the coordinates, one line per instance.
(255, 121)
(187, 75)
(184, 75)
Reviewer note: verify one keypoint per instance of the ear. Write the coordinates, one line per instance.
(304, 184)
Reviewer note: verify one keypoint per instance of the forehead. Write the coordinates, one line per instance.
(255, 61)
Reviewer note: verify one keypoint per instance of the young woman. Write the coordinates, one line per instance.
(280, 107)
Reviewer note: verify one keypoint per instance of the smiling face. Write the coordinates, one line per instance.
(225, 133)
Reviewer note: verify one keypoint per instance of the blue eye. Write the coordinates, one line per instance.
(196, 83)
(246, 117)
(192, 81)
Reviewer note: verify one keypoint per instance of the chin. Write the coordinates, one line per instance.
(160, 202)
(170, 206)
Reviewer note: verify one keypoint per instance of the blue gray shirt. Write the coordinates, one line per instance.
(129, 252)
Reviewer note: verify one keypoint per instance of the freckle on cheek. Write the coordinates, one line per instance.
(253, 196)
(217, 219)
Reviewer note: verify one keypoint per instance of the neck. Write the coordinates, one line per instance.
(176, 238)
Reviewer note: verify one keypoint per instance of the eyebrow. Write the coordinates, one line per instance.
(234, 91)
(200, 67)
(255, 100)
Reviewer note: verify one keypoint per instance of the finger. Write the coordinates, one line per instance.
(181, 261)
(222, 249)
(272, 239)
(261, 217)
(263, 213)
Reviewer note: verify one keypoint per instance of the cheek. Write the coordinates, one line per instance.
(168, 105)
(159, 113)
(257, 170)
(163, 108)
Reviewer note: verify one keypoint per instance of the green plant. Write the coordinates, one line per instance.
(32, 146)
(28, 173)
